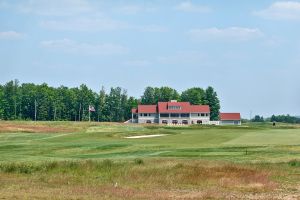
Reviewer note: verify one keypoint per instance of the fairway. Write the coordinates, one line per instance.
(126, 161)
(238, 144)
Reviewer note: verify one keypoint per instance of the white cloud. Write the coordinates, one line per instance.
(187, 6)
(99, 23)
(84, 24)
(10, 35)
(282, 10)
(70, 46)
(230, 33)
(55, 7)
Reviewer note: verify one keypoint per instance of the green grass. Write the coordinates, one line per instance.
(96, 161)
(100, 141)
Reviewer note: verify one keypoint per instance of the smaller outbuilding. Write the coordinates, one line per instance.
(230, 119)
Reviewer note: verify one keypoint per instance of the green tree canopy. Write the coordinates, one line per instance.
(149, 96)
(195, 96)
(211, 99)
(63, 103)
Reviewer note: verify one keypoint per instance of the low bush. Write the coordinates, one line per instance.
(138, 161)
(294, 163)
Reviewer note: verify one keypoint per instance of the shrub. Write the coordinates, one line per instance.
(294, 163)
(138, 161)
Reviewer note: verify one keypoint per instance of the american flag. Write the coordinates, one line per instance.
(91, 108)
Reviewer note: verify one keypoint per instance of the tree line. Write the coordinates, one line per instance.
(277, 118)
(28, 101)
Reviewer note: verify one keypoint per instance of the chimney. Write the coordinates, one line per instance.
(172, 101)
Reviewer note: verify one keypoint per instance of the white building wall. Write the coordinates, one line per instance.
(194, 118)
(203, 117)
(230, 122)
(150, 116)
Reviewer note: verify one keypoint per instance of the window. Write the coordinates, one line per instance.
(174, 122)
(185, 115)
(164, 121)
(202, 115)
(145, 114)
(174, 107)
(185, 122)
(141, 114)
(164, 115)
(174, 115)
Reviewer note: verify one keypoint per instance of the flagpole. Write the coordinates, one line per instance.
(89, 114)
(35, 110)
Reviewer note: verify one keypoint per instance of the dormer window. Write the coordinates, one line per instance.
(174, 107)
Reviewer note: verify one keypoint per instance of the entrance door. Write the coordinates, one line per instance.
(164, 121)
(185, 122)
(174, 122)
(199, 121)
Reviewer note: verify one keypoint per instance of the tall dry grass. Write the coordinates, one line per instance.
(135, 179)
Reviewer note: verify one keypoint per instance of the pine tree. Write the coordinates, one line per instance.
(9, 96)
(101, 105)
(1, 103)
(211, 99)
(148, 97)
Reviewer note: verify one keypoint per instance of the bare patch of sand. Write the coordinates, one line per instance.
(145, 136)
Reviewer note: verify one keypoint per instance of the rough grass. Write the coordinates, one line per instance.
(39, 127)
(153, 179)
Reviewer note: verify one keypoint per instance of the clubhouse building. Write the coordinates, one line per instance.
(174, 112)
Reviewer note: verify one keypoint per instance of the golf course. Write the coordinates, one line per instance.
(81, 160)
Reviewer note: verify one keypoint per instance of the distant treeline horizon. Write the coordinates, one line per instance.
(29, 101)
(277, 118)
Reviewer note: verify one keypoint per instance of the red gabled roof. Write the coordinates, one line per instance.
(200, 109)
(133, 110)
(147, 109)
(186, 107)
(230, 116)
(163, 107)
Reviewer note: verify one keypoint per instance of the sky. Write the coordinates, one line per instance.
(249, 51)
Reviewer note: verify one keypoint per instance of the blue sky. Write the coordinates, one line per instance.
(249, 51)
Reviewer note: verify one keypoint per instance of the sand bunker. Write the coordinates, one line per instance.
(145, 136)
